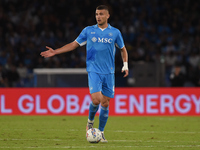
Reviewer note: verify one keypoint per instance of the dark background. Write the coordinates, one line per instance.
(155, 32)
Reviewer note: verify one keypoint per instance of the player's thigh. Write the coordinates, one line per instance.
(94, 82)
(108, 85)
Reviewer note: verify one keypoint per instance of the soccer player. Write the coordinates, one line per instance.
(100, 40)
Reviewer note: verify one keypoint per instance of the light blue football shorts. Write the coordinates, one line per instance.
(102, 82)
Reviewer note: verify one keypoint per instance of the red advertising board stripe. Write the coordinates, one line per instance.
(75, 101)
(158, 101)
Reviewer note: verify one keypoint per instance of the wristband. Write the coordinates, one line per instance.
(125, 67)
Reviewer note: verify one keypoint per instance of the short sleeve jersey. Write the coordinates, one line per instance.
(100, 47)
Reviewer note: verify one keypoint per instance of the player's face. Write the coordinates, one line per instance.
(102, 17)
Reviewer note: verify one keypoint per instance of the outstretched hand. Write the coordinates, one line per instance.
(48, 53)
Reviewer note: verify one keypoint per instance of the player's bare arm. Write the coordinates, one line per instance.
(124, 55)
(51, 52)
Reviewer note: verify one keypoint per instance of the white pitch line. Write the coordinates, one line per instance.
(32, 140)
(75, 130)
(181, 132)
(108, 146)
(136, 141)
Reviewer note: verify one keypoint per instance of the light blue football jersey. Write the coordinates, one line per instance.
(100, 46)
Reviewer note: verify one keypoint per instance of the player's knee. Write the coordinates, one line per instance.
(105, 102)
(96, 101)
(96, 98)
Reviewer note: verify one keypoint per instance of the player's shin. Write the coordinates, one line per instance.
(92, 111)
(103, 117)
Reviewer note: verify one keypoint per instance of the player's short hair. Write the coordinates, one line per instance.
(101, 7)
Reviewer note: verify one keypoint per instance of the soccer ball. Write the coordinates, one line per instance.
(93, 135)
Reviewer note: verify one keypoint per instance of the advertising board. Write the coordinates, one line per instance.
(75, 101)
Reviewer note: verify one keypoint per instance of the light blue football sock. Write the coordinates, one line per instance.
(103, 117)
(92, 111)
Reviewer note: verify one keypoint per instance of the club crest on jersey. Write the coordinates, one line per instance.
(110, 34)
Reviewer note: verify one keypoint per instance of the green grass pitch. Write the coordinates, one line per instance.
(122, 133)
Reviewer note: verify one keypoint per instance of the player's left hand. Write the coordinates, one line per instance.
(126, 73)
(125, 69)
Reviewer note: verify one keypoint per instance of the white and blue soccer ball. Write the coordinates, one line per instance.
(93, 135)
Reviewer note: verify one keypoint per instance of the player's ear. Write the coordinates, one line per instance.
(108, 16)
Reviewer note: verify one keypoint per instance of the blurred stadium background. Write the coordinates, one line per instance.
(163, 42)
(162, 39)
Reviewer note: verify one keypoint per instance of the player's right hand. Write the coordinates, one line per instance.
(48, 53)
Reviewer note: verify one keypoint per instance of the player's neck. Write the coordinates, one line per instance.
(103, 26)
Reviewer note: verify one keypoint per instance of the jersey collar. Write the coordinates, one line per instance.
(109, 26)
